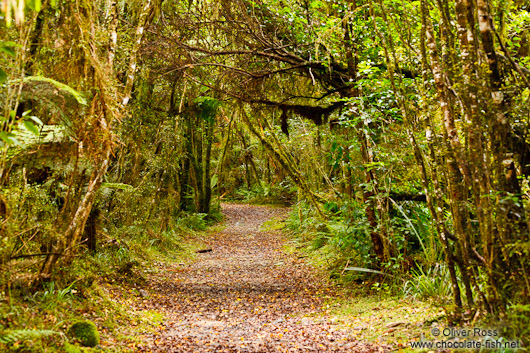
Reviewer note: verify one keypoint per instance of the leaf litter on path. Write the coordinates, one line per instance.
(246, 295)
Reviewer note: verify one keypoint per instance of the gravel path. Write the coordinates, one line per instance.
(246, 295)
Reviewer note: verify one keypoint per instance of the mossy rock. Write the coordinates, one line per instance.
(85, 332)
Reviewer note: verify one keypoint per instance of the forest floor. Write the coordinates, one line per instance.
(248, 294)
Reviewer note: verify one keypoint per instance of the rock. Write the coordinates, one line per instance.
(85, 332)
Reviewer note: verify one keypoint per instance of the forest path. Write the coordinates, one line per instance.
(246, 295)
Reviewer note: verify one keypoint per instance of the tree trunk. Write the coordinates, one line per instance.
(207, 184)
(74, 231)
(133, 56)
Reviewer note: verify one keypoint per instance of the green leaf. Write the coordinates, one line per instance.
(7, 50)
(4, 136)
(409, 222)
(208, 107)
(8, 138)
(3, 76)
(213, 182)
(34, 5)
(31, 127)
(36, 120)
(369, 270)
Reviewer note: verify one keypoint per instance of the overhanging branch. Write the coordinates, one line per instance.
(317, 114)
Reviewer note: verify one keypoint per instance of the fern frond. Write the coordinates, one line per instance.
(25, 335)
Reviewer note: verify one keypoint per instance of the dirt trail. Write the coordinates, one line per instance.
(246, 295)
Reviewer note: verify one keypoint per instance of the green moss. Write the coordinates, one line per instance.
(70, 348)
(384, 319)
(85, 332)
(273, 225)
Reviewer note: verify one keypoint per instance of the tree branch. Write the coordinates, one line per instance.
(34, 255)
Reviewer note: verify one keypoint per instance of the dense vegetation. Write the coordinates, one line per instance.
(399, 129)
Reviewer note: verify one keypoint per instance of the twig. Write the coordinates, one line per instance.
(345, 267)
(475, 252)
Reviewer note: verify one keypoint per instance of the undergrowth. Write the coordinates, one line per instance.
(282, 194)
(342, 245)
(99, 286)
(411, 291)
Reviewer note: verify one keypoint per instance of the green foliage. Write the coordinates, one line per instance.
(85, 332)
(17, 134)
(411, 226)
(373, 147)
(281, 194)
(24, 335)
(51, 297)
(367, 270)
(29, 340)
(34, 5)
(192, 221)
(434, 283)
(208, 107)
(8, 48)
(70, 348)
(413, 232)
(343, 240)
(3, 76)
(34, 203)
(517, 322)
